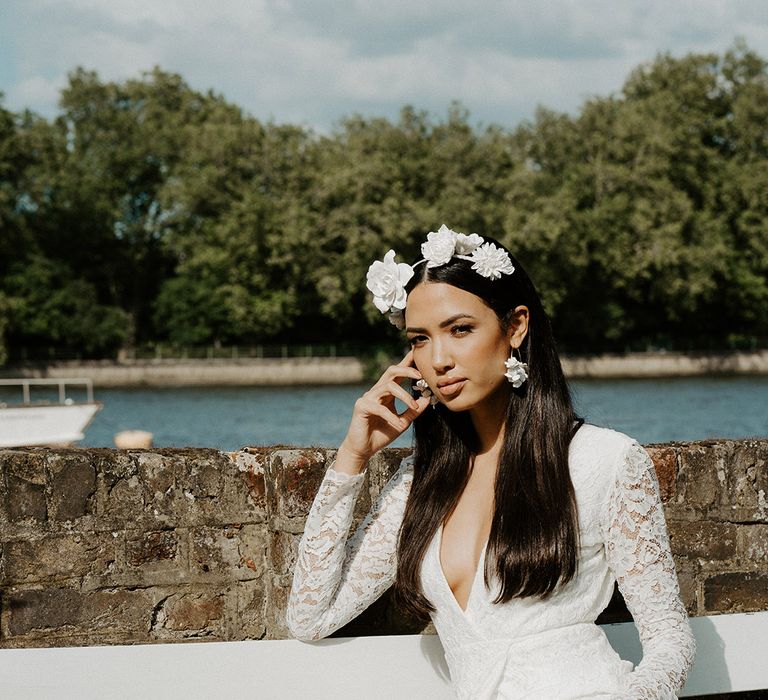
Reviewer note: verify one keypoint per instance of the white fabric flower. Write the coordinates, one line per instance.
(490, 261)
(466, 244)
(517, 372)
(439, 247)
(387, 280)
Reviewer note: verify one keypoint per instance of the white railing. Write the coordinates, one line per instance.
(728, 659)
(62, 384)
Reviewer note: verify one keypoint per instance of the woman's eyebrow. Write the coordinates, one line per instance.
(443, 324)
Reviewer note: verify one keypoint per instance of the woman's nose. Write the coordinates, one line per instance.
(441, 358)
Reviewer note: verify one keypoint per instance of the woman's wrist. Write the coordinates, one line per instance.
(348, 461)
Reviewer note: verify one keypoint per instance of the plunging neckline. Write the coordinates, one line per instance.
(478, 567)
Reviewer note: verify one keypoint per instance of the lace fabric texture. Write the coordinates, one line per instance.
(524, 648)
(638, 552)
(335, 579)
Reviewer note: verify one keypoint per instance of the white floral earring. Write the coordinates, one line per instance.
(517, 371)
(423, 387)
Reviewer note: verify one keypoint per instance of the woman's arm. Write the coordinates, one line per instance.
(336, 579)
(637, 548)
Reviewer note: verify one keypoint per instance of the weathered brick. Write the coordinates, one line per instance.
(748, 482)
(665, 462)
(39, 609)
(250, 620)
(190, 486)
(753, 546)
(276, 603)
(234, 552)
(119, 492)
(704, 541)
(247, 493)
(157, 472)
(65, 611)
(193, 614)
(689, 587)
(282, 552)
(702, 475)
(59, 557)
(26, 481)
(382, 466)
(202, 484)
(163, 500)
(295, 478)
(73, 483)
(4, 517)
(153, 547)
(736, 592)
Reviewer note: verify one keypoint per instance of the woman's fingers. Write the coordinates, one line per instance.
(411, 414)
(391, 418)
(377, 404)
(407, 361)
(396, 372)
(399, 393)
(389, 382)
(405, 368)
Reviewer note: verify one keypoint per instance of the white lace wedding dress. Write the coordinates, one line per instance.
(526, 648)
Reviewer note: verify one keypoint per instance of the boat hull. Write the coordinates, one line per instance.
(55, 424)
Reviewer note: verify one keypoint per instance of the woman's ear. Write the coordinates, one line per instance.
(518, 326)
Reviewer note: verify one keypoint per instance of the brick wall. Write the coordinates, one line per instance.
(101, 546)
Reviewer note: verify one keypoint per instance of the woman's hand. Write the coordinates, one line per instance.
(375, 422)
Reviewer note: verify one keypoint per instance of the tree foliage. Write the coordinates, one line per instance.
(149, 211)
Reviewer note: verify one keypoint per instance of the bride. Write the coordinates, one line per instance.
(512, 519)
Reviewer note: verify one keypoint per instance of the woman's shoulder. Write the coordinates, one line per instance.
(595, 437)
(595, 448)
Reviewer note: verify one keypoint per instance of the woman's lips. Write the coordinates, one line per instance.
(451, 389)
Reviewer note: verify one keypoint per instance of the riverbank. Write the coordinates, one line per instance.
(351, 370)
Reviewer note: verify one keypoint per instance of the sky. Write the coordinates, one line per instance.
(312, 62)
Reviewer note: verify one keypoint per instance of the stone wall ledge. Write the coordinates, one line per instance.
(105, 546)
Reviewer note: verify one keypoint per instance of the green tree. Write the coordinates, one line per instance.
(51, 306)
(174, 215)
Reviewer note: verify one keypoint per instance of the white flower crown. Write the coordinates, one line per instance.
(387, 278)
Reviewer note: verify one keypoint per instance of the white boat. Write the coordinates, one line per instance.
(32, 423)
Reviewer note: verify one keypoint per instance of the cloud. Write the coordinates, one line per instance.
(311, 63)
(36, 92)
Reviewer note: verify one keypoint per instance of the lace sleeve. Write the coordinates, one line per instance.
(637, 548)
(336, 579)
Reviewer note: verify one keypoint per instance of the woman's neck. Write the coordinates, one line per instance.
(488, 420)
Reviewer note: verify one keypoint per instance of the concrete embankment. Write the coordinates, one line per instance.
(350, 370)
(247, 372)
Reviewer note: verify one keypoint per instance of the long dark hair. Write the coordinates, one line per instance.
(533, 540)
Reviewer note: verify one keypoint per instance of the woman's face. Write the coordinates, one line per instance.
(458, 344)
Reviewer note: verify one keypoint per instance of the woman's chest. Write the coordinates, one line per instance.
(463, 536)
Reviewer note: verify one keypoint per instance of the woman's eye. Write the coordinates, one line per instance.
(414, 340)
(461, 330)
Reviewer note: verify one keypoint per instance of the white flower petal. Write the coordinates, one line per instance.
(404, 273)
(386, 280)
(439, 247)
(465, 244)
(490, 261)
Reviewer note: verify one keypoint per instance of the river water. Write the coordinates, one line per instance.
(650, 410)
